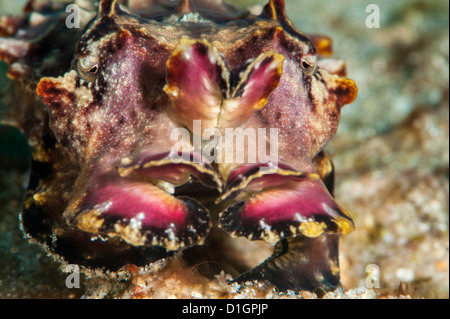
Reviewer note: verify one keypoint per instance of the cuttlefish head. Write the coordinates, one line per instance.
(137, 83)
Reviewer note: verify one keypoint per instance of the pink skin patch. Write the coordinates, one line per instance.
(202, 88)
(151, 206)
(280, 211)
(253, 85)
(196, 79)
(141, 213)
(169, 167)
(299, 201)
(257, 177)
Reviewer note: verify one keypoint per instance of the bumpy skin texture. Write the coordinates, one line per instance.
(108, 189)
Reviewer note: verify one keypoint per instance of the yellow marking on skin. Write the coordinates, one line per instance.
(323, 165)
(40, 198)
(278, 32)
(312, 229)
(172, 245)
(41, 155)
(90, 221)
(263, 24)
(350, 86)
(344, 225)
(71, 210)
(344, 88)
(125, 33)
(333, 267)
(323, 45)
(293, 230)
(273, 12)
(130, 234)
(112, 11)
(268, 235)
(28, 202)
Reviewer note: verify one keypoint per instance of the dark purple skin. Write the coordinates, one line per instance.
(106, 188)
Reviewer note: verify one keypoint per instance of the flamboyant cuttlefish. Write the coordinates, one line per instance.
(99, 103)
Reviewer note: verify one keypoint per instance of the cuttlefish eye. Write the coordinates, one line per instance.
(308, 64)
(88, 68)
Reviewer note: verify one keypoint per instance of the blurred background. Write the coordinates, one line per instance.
(391, 151)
